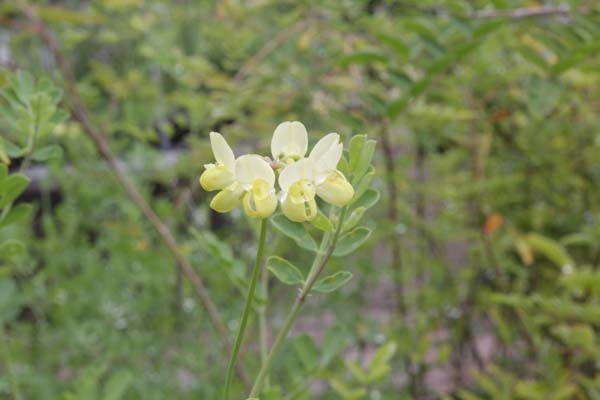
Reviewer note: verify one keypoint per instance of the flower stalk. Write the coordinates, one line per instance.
(247, 308)
(262, 320)
(326, 248)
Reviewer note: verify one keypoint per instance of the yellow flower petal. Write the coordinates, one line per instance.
(251, 167)
(323, 145)
(221, 150)
(216, 177)
(260, 201)
(335, 189)
(300, 170)
(299, 203)
(329, 161)
(227, 199)
(290, 140)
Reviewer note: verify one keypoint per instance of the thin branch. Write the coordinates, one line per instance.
(389, 159)
(522, 13)
(80, 113)
(596, 262)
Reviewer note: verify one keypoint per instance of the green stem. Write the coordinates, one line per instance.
(262, 320)
(328, 243)
(247, 307)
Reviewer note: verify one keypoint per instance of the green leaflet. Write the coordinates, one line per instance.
(332, 282)
(351, 241)
(295, 231)
(284, 270)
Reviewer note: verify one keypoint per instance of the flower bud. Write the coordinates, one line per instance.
(335, 189)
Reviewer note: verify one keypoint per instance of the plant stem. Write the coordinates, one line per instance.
(262, 320)
(247, 307)
(328, 243)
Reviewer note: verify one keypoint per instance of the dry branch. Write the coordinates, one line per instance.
(522, 13)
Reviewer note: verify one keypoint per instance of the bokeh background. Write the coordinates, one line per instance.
(481, 278)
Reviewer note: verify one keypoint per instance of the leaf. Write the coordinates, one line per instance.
(16, 214)
(423, 31)
(487, 27)
(89, 382)
(58, 117)
(295, 231)
(365, 160)
(439, 65)
(343, 164)
(14, 151)
(11, 248)
(3, 154)
(23, 85)
(577, 336)
(395, 43)
(335, 341)
(582, 280)
(357, 372)
(9, 299)
(332, 282)
(346, 392)
(383, 355)
(117, 385)
(578, 239)
(543, 96)
(523, 248)
(351, 241)
(321, 222)
(362, 57)
(353, 219)
(11, 188)
(551, 249)
(361, 187)
(533, 56)
(577, 56)
(355, 151)
(306, 350)
(47, 153)
(285, 271)
(397, 106)
(378, 373)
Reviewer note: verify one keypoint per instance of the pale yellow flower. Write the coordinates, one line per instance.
(221, 174)
(249, 180)
(290, 142)
(257, 180)
(315, 175)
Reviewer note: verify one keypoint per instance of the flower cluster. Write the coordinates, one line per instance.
(250, 179)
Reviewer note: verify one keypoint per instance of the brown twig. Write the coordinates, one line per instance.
(392, 213)
(80, 113)
(522, 13)
(596, 262)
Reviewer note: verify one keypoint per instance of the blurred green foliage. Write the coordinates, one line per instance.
(480, 279)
